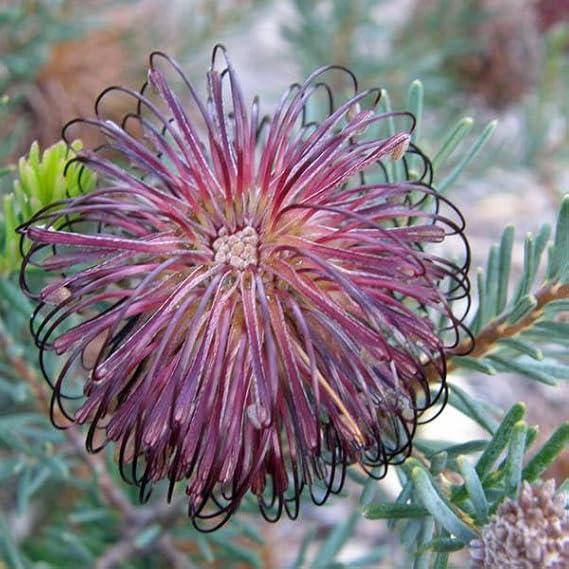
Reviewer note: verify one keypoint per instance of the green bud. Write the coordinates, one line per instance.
(42, 179)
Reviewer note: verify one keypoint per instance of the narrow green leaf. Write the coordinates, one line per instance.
(147, 535)
(12, 554)
(388, 510)
(514, 460)
(500, 440)
(415, 106)
(474, 364)
(559, 257)
(506, 245)
(531, 436)
(409, 534)
(369, 490)
(483, 309)
(468, 157)
(438, 463)
(300, 561)
(439, 508)
(10, 291)
(471, 408)
(552, 448)
(205, 548)
(466, 448)
(405, 494)
(441, 560)
(561, 305)
(23, 490)
(445, 544)
(541, 242)
(529, 269)
(553, 328)
(474, 489)
(385, 106)
(525, 367)
(456, 136)
(75, 543)
(423, 555)
(336, 540)
(89, 516)
(522, 308)
(492, 278)
(522, 346)
(238, 552)
(357, 476)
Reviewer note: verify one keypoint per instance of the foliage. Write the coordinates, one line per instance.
(78, 514)
(41, 180)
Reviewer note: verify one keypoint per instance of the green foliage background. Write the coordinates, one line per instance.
(63, 508)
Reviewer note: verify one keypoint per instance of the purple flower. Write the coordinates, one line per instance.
(247, 304)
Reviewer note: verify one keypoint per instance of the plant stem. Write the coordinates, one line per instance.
(486, 340)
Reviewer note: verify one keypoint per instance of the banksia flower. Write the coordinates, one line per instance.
(531, 532)
(247, 304)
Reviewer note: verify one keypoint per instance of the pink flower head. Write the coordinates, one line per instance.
(247, 304)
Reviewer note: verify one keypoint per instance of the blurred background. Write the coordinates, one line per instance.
(488, 59)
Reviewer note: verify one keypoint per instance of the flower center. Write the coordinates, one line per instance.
(238, 249)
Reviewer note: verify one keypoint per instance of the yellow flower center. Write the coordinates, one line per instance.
(239, 249)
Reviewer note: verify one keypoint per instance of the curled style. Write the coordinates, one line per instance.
(248, 304)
